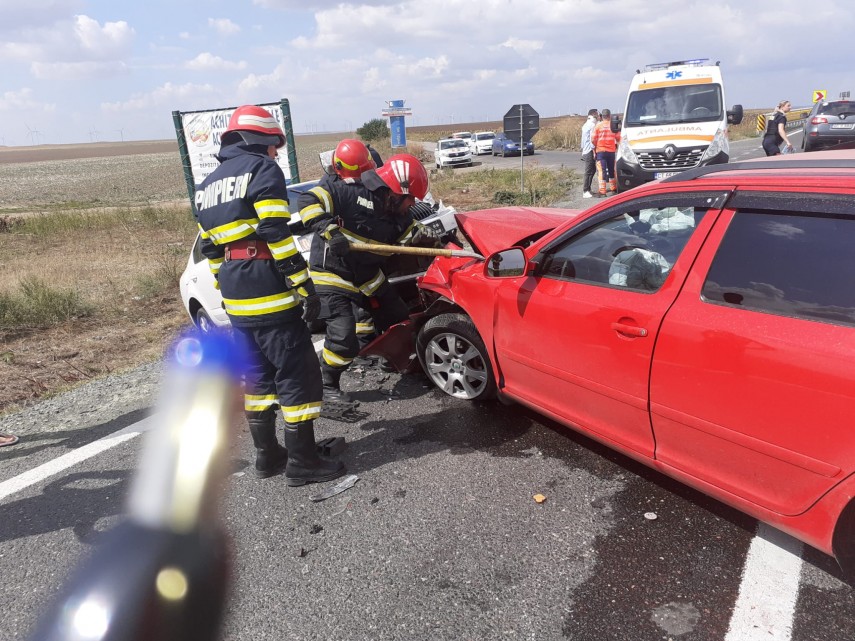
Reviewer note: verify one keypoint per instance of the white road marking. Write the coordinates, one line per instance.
(769, 588)
(61, 463)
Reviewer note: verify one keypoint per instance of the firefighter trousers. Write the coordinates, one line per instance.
(342, 344)
(282, 371)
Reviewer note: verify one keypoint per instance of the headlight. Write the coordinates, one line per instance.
(626, 152)
(718, 145)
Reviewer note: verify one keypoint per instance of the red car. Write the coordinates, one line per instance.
(703, 325)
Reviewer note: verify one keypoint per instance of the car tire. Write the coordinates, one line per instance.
(843, 542)
(805, 146)
(203, 321)
(454, 357)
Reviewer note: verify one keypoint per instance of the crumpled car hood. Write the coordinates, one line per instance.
(491, 230)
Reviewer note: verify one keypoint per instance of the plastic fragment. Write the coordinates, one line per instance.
(650, 516)
(539, 498)
(345, 484)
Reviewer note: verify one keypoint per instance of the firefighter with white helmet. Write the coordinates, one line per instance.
(373, 209)
(242, 211)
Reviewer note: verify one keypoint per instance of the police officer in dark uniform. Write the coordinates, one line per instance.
(373, 209)
(243, 215)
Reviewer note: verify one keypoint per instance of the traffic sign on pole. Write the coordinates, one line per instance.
(819, 95)
(521, 123)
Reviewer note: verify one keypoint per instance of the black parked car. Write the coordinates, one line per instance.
(830, 123)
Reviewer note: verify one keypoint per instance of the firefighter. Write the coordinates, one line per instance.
(372, 209)
(243, 215)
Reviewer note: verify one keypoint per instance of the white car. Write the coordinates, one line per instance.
(452, 152)
(203, 300)
(481, 142)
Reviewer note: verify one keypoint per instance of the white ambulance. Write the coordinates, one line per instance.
(674, 120)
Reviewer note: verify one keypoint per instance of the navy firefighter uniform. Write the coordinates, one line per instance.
(373, 209)
(243, 214)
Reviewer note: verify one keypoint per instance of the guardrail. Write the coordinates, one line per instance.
(795, 117)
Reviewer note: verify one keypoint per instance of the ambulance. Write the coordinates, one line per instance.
(674, 120)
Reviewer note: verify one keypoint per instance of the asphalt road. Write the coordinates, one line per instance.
(441, 538)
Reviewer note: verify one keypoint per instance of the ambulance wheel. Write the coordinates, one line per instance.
(455, 358)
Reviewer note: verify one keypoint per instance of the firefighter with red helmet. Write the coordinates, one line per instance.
(242, 212)
(373, 209)
(351, 158)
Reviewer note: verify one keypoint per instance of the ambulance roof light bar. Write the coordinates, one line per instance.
(695, 62)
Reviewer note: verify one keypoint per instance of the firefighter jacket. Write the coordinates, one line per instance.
(356, 208)
(246, 199)
(603, 138)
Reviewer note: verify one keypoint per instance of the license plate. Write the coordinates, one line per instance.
(843, 126)
(665, 174)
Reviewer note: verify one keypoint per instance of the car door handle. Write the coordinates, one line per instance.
(629, 330)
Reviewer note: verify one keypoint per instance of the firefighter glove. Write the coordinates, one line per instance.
(425, 237)
(311, 301)
(338, 243)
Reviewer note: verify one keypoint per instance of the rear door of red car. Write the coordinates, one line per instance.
(753, 382)
(576, 339)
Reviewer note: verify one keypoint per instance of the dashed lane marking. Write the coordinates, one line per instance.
(767, 598)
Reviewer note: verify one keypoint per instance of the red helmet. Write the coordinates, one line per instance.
(255, 126)
(405, 175)
(351, 158)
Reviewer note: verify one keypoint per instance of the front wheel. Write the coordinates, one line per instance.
(204, 322)
(455, 358)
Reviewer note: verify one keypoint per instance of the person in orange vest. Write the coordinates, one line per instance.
(605, 143)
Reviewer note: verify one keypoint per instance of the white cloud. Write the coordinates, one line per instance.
(223, 26)
(187, 96)
(209, 62)
(523, 47)
(76, 39)
(78, 70)
(23, 100)
(114, 38)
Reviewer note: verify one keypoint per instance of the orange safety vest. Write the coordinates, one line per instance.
(603, 138)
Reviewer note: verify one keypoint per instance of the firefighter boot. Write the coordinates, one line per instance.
(333, 394)
(270, 457)
(304, 463)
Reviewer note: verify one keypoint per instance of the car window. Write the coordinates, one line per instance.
(786, 263)
(485, 136)
(633, 246)
(196, 252)
(837, 109)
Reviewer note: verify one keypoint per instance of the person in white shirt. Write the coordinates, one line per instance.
(588, 152)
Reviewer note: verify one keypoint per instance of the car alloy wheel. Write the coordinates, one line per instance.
(454, 357)
(204, 322)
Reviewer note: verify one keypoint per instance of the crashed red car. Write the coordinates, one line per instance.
(704, 325)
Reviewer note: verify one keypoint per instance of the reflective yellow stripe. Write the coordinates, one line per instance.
(365, 328)
(262, 305)
(215, 264)
(300, 277)
(204, 234)
(300, 413)
(233, 231)
(355, 238)
(259, 402)
(324, 196)
(332, 280)
(408, 233)
(331, 358)
(273, 208)
(283, 248)
(310, 212)
(372, 285)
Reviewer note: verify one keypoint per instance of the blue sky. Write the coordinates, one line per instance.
(86, 70)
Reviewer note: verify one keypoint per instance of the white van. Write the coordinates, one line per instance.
(674, 120)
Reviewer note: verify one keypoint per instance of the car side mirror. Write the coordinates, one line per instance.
(615, 123)
(508, 263)
(734, 116)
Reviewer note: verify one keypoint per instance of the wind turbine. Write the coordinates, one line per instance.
(32, 133)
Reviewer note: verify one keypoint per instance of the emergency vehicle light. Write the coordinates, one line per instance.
(664, 65)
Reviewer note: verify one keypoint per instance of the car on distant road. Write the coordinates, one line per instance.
(463, 135)
(452, 152)
(829, 123)
(481, 142)
(504, 146)
(702, 324)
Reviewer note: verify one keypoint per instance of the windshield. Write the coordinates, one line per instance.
(448, 144)
(837, 109)
(485, 136)
(674, 104)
